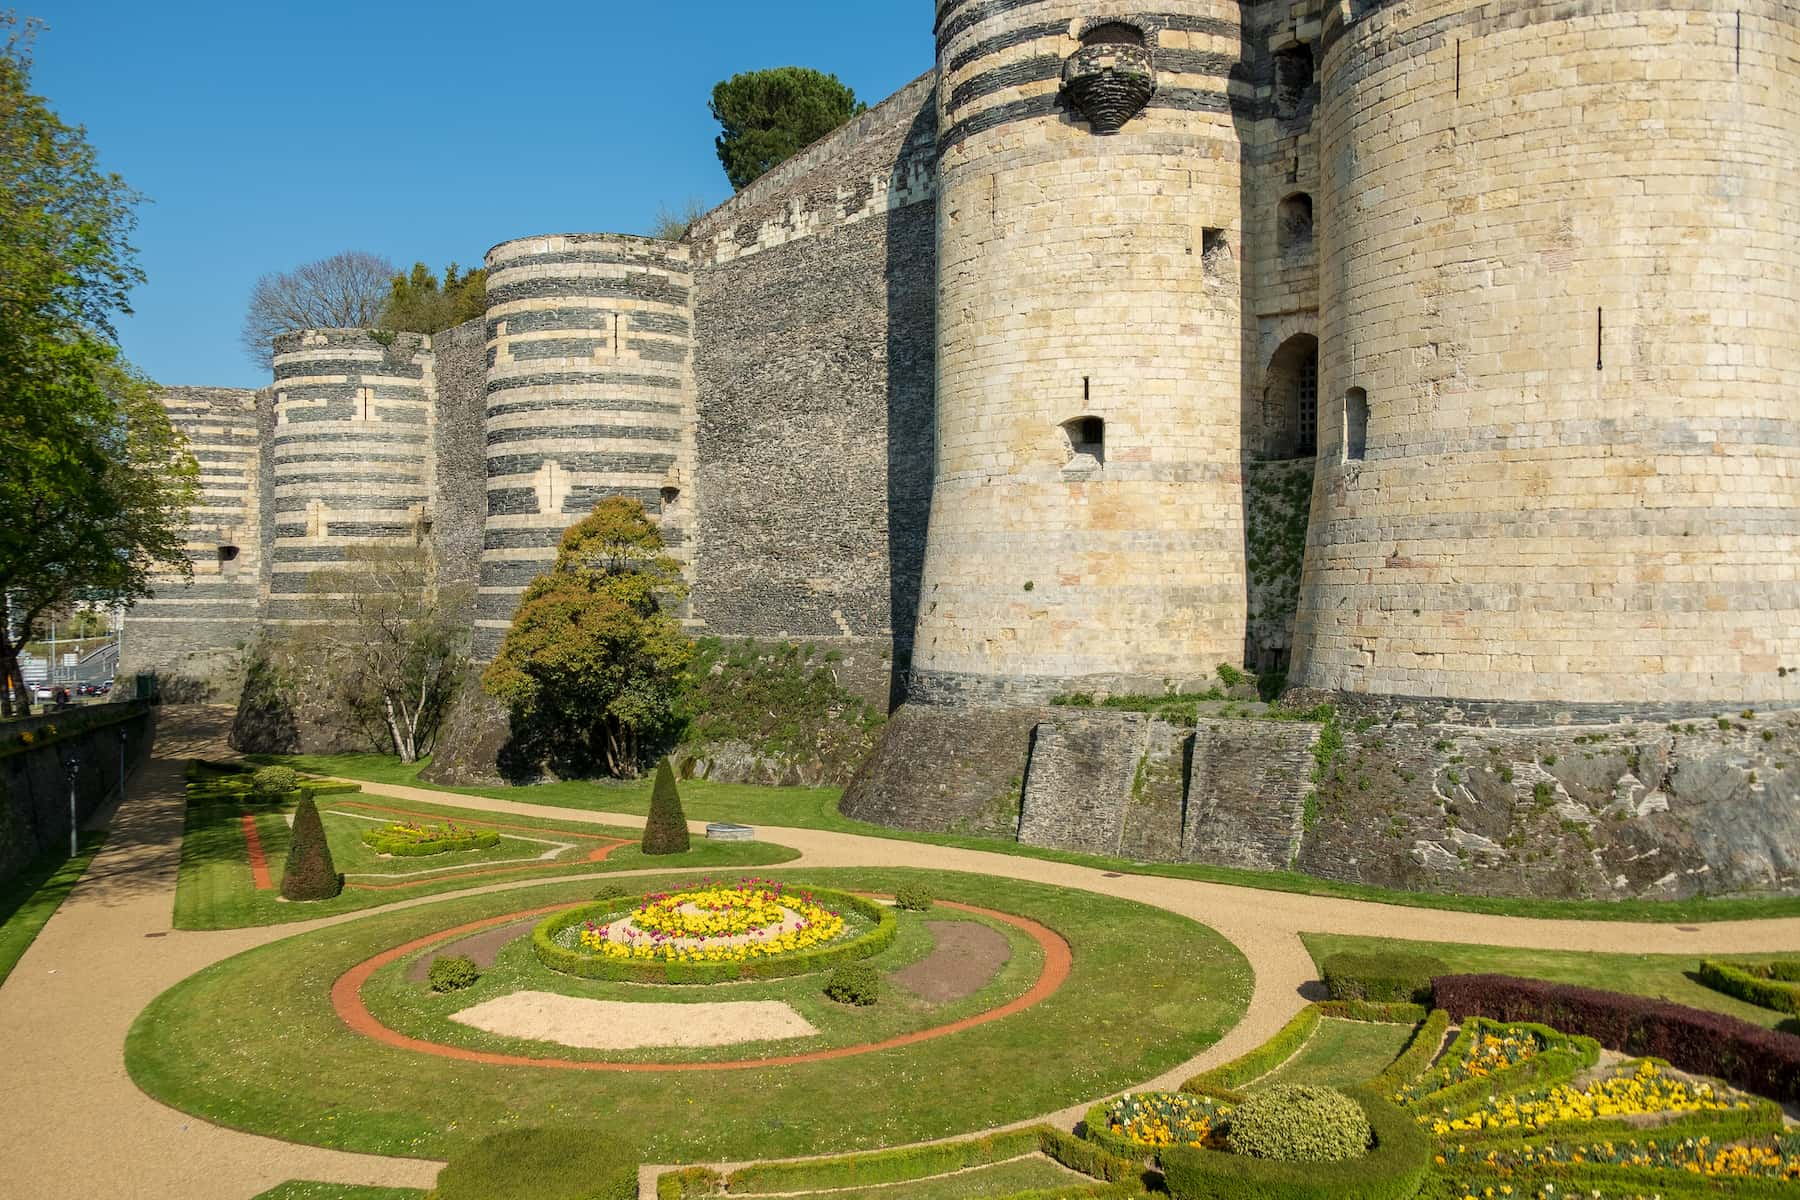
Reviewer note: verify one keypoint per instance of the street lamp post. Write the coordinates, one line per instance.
(73, 767)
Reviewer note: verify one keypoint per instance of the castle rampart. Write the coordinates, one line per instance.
(351, 454)
(1560, 458)
(589, 394)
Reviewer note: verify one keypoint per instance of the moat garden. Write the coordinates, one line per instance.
(512, 984)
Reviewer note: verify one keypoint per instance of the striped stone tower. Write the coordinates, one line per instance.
(1086, 524)
(589, 394)
(351, 453)
(1560, 444)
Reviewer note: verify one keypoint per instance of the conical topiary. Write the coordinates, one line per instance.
(310, 873)
(666, 830)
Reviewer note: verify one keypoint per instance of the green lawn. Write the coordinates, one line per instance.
(300, 1189)
(1342, 1053)
(253, 1043)
(816, 808)
(1030, 1173)
(414, 1009)
(1660, 975)
(27, 901)
(215, 888)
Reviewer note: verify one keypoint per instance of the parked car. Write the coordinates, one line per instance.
(44, 693)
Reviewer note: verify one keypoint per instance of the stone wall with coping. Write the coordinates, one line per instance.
(191, 632)
(815, 295)
(1557, 257)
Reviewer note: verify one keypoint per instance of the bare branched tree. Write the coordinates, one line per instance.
(345, 291)
(672, 224)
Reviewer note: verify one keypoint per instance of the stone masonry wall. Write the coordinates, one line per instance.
(1073, 290)
(1558, 244)
(815, 307)
(459, 506)
(589, 395)
(191, 633)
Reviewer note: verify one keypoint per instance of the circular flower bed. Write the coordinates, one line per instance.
(713, 933)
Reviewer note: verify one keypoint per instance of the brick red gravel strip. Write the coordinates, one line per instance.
(259, 862)
(346, 998)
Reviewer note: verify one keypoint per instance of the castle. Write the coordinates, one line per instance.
(1001, 387)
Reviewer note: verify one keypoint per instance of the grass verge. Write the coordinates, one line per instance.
(253, 1043)
(1666, 976)
(817, 808)
(304, 1189)
(28, 901)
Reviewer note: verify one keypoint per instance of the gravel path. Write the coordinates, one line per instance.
(78, 1127)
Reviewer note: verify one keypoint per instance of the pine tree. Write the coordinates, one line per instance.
(666, 831)
(310, 873)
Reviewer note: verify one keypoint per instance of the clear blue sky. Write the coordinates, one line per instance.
(266, 134)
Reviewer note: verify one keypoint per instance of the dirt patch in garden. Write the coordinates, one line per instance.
(483, 948)
(630, 1024)
(967, 955)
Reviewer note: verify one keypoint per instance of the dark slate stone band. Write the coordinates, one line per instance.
(652, 289)
(581, 379)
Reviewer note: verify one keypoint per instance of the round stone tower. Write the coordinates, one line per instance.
(1086, 521)
(1560, 442)
(351, 452)
(589, 394)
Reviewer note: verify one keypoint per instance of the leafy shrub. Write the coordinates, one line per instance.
(413, 840)
(1753, 1058)
(453, 973)
(328, 787)
(1766, 986)
(610, 891)
(1298, 1123)
(310, 873)
(542, 1164)
(1387, 976)
(912, 897)
(274, 783)
(855, 984)
(666, 831)
(1392, 1170)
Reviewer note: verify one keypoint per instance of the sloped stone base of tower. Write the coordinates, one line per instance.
(1417, 798)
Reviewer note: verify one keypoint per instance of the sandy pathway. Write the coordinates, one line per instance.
(78, 1127)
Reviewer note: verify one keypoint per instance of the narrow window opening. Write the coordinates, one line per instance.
(1087, 387)
(1215, 252)
(1294, 230)
(1113, 33)
(367, 397)
(1087, 440)
(669, 496)
(227, 554)
(1290, 400)
(1459, 68)
(1599, 339)
(1356, 424)
(1293, 76)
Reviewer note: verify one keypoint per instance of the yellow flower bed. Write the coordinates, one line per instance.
(1694, 1156)
(662, 932)
(1644, 1092)
(1165, 1118)
(1486, 1054)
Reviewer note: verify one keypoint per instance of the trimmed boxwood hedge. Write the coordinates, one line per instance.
(1561, 1059)
(1418, 1056)
(1385, 976)
(382, 842)
(1260, 1061)
(1770, 986)
(1393, 1169)
(625, 970)
(1748, 1056)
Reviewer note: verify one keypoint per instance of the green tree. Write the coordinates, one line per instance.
(666, 831)
(94, 482)
(310, 874)
(592, 664)
(419, 303)
(769, 116)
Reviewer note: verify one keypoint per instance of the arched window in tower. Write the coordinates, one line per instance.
(669, 496)
(1113, 33)
(1294, 226)
(1087, 441)
(1356, 424)
(1293, 76)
